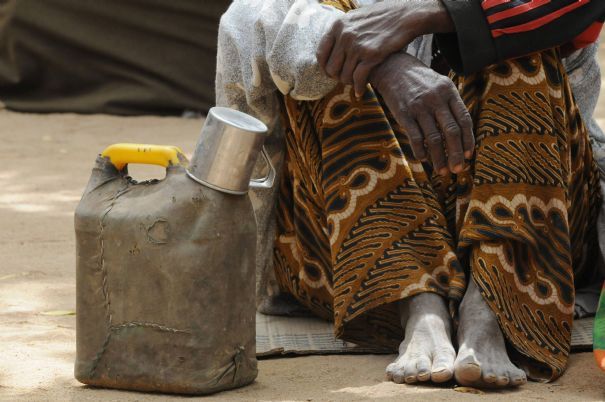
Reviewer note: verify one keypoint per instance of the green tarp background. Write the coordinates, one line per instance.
(108, 56)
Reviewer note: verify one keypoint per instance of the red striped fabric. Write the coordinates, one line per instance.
(539, 22)
(589, 36)
(487, 4)
(518, 10)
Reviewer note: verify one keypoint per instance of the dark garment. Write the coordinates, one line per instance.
(490, 31)
(110, 56)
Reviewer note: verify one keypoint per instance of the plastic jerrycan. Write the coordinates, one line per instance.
(165, 268)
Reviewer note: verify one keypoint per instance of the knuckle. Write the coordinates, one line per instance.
(415, 138)
(368, 51)
(416, 105)
(466, 120)
(362, 50)
(446, 85)
(433, 139)
(465, 116)
(451, 129)
(348, 34)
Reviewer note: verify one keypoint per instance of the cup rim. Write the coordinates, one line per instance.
(238, 119)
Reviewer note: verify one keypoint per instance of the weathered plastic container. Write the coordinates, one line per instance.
(165, 280)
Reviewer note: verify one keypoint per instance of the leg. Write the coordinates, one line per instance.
(482, 357)
(426, 352)
(528, 229)
(361, 236)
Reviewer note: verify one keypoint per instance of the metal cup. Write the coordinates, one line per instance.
(227, 150)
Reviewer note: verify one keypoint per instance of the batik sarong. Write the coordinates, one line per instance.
(363, 225)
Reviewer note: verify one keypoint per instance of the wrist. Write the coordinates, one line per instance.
(434, 18)
(381, 74)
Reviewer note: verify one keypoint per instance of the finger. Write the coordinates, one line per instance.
(325, 47)
(415, 136)
(360, 77)
(336, 60)
(451, 133)
(434, 142)
(348, 68)
(465, 122)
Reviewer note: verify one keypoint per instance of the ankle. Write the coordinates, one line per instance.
(423, 306)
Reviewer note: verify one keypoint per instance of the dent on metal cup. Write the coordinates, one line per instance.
(227, 151)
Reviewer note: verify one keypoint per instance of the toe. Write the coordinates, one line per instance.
(467, 371)
(441, 374)
(423, 365)
(395, 372)
(391, 368)
(398, 379)
(503, 379)
(443, 366)
(396, 375)
(411, 372)
(518, 377)
(489, 377)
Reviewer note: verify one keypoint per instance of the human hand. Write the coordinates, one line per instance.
(363, 38)
(428, 106)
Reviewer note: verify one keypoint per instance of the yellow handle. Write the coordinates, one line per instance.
(121, 155)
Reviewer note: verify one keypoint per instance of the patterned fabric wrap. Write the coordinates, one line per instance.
(362, 224)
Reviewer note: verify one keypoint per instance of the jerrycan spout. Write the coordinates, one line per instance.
(227, 151)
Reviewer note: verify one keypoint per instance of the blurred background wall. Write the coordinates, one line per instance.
(108, 56)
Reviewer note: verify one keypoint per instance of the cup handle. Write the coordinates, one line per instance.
(269, 179)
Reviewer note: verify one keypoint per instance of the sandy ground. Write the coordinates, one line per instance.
(46, 163)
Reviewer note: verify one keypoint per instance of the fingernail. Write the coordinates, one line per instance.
(468, 154)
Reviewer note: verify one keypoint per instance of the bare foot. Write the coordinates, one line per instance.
(482, 359)
(426, 353)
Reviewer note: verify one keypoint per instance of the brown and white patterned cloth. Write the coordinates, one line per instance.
(361, 224)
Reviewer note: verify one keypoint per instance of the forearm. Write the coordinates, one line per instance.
(432, 17)
(381, 77)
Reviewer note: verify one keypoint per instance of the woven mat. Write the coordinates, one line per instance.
(278, 335)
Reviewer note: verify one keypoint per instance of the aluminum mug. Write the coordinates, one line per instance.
(227, 151)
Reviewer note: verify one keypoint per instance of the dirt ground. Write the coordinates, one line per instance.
(46, 163)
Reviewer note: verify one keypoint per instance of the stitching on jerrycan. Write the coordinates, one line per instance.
(111, 329)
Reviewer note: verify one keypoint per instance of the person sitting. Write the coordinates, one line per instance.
(420, 207)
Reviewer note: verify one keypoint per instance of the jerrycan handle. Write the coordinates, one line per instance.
(269, 179)
(121, 155)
